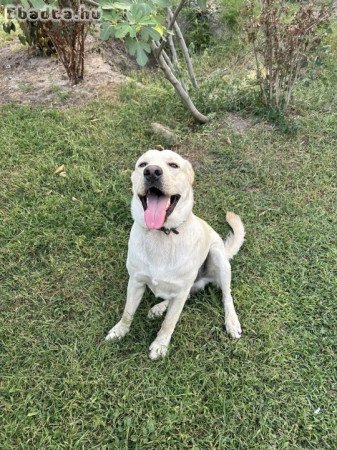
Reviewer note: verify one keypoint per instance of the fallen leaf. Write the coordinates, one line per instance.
(59, 170)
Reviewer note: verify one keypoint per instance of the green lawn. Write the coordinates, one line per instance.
(64, 244)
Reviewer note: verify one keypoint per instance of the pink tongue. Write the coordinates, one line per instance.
(156, 210)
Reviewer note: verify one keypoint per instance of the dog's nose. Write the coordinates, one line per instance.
(152, 173)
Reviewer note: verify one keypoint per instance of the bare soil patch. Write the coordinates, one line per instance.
(26, 78)
(237, 123)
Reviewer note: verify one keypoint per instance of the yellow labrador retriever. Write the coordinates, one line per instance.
(172, 251)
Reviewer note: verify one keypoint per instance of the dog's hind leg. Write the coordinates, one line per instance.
(158, 309)
(202, 278)
(200, 284)
(221, 269)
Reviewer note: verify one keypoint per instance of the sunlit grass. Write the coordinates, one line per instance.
(63, 252)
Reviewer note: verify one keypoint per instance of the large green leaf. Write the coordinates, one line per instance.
(148, 33)
(148, 20)
(38, 4)
(163, 3)
(6, 2)
(131, 45)
(25, 4)
(110, 15)
(122, 5)
(122, 29)
(138, 49)
(106, 31)
(133, 31)
(141, 49)
(106, 4)
(140, 10)
(141, 56)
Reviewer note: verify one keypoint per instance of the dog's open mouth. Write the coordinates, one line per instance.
(157, 207)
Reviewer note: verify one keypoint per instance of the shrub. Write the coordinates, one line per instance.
(66, 37)
(195, 26)
(33, 35)
(143, 28)
(283, 36)
(232, 12)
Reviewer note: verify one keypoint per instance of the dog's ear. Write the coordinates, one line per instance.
(190, 172)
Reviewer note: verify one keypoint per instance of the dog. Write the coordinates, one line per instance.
(172, 251)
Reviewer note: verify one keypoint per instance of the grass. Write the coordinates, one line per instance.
(64, 244)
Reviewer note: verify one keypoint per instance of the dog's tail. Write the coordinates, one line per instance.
(234, 240)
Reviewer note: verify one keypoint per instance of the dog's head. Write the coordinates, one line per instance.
(162, 189)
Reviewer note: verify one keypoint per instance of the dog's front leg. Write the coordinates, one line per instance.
(134, 295)
(159, 346)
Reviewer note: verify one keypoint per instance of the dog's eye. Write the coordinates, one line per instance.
(143, 164)
(173, 165)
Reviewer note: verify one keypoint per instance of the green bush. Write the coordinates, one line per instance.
(231, 12)
(197, 34)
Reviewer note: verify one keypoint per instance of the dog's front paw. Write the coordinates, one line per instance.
(233, 326)
(157, 310)
(117, 332)
(158, 349)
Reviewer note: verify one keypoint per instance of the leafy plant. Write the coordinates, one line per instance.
(198, 34)
(33, 35)
(282, 37)
(67, 37)
(152, 26)
(232, 12)
(136, 23)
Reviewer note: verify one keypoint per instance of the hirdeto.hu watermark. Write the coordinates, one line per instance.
(51, 13)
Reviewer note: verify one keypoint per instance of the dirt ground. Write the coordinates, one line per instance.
(33, 80)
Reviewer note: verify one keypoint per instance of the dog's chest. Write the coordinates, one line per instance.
(165, 271)
(162, 289)
(163, 284)
(165, 268)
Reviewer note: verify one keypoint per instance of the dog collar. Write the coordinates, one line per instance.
(168, 230)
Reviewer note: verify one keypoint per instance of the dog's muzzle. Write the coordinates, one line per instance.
(153, 175)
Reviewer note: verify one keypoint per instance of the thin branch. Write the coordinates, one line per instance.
(184, 50)
(168, 61)
(178, 87)
(173, 19)
(173, 49)
(171, 43)
(176, 12)
(172, 67)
